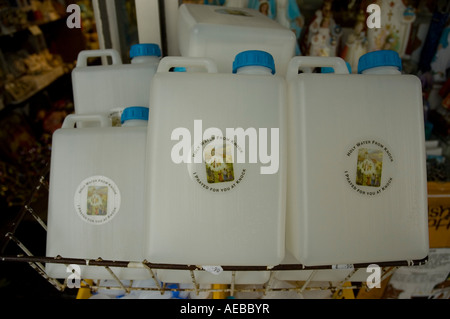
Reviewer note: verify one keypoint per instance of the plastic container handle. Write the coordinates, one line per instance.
(72, 119)
(85, 54)
(298, 62)
(169, 62)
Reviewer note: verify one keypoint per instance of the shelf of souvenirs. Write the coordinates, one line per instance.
(28, 85)
(13, 30)
(19, 90)
(22, 17)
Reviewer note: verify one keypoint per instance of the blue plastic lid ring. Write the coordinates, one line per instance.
(254, 58)
(145, 49)
(134, 113)
(379, 58)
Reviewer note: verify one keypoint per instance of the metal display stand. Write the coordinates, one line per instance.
(38, 264)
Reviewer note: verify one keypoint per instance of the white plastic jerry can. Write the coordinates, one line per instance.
(105, 89)
(220, 33)
(216, 163)
(96, 195)
(357, 173)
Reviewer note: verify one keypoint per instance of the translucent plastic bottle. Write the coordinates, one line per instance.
(380, 62)
(220, 33)
(357, 174)
(223, 212)
(96, 197)
(246, 63)
(105, 89)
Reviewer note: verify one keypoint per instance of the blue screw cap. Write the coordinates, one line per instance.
(145, 49)
(134, 113)
(379, 58)
(254, 57)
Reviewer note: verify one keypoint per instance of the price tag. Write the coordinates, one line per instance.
(343, 266)
(215, 270)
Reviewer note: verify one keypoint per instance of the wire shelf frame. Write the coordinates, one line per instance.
(38, 264)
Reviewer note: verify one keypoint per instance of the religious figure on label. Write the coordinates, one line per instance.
(219, 163)
(369, 167)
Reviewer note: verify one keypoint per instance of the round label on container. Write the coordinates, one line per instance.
(369, 167)
(97, 200)
(213, 165)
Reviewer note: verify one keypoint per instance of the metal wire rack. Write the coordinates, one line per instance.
(38, 264)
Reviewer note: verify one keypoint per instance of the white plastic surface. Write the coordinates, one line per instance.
(83, 56)
(103, 88)
(115, 155)
(72, 119)
(189, 224)
(254, 69)
(130, 123)
(220, 33)
(204, 277)
(331, 219)
(382, 70)
(307, 64)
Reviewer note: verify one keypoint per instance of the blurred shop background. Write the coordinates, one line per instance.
(38, 52)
